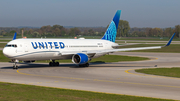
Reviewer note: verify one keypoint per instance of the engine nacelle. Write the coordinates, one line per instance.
(80, 58)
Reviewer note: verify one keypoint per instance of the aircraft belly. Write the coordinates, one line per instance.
(46, 55)
(98, 55)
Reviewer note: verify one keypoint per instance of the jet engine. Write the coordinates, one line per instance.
(80, 58)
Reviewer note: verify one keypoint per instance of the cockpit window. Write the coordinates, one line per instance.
(11, 45)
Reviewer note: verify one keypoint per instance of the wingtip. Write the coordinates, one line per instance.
(169, 42)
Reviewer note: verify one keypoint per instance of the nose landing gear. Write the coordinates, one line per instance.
(15, 63)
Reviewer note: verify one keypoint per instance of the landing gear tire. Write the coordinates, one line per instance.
(80, 65)
(15, 66)
(57, 64)
(53, 63)
(87, 64)
(84, 65)
(50, 63)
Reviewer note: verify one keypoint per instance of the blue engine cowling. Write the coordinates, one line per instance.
(80, 58)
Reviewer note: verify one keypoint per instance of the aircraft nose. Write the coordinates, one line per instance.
(6, 52)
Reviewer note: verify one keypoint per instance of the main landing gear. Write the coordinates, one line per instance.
(84, 65)
(53, 63)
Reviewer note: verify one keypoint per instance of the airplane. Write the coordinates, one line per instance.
(81, 51)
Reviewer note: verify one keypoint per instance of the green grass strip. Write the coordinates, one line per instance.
(170, 72)
(3, 58)
(4, 40)
(19, 92)
(2, 45)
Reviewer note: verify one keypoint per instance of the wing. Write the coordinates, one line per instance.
(118, 46)
(139, 48)
(93, 52)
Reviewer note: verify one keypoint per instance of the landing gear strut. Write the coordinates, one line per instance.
(53, 63)
(15, 65)
(84, 65)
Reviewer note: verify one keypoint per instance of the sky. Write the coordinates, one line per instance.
(89, 13)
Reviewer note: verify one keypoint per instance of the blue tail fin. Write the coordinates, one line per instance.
(112, 29)
(14, 36)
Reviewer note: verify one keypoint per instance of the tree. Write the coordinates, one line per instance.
(123, 28)
(30, 31)
(177, 30)
(35, 34)
(154, 32)
(157, 32)
(167, 32)
(57, 32)
(57, 26)
(90, 32)
(74, 31)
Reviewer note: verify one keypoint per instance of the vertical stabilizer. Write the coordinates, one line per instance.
(112, 29)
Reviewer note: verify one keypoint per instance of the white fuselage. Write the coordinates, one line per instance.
(52, 49)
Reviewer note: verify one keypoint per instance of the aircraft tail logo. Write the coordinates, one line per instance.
(112, 29)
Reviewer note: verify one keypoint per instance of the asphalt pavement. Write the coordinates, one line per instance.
(118, 77)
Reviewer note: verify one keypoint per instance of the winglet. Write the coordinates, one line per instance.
(14, 36)
(170, 40)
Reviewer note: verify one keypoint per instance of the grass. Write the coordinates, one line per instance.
(19, 92)
(2, 45)
(170, 72)
(3, 58)
(173, 48)
(4, 40)
(106, 58)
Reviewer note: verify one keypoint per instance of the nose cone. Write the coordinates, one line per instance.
(6, 52)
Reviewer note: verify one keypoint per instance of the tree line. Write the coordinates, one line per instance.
(155, 32)
(124, 30)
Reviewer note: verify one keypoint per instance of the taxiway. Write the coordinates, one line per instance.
(118, 77)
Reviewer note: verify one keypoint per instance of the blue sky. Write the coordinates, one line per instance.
(89, 13)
